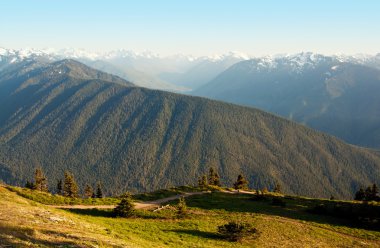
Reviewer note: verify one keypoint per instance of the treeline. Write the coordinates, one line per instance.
(241, 183)
(67, 186)
(369, 194)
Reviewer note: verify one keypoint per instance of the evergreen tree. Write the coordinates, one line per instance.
(40, 181)
(99, 191)
(59, 187)
(360, 195)
(277, 188)
(213, 177)
(202, 182)
(70, 187)
(126, 207)
(88, 191)
(368, 194)
(241, 183)
(217, 180)
(181, 207)
(375, 191)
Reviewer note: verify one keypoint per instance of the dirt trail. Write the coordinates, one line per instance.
(238, 192)
(138, 205)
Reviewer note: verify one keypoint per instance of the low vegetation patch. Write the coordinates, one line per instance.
(364, 214)
(236, 231)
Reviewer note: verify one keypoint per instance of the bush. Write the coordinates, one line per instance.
(236, 231)
(181, 207)
(125, 208)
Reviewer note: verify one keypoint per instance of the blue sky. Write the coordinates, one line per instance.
(198, 27)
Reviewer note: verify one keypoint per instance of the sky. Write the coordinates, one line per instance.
(196, 27)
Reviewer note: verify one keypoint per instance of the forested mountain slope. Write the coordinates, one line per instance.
(330, 94)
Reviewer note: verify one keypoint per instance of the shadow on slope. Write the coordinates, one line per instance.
(293, 207)
(11, 236)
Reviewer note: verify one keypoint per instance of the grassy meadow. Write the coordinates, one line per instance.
(27, 223)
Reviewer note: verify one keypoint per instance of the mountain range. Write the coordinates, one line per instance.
(177, 73)
(338, 95)
(64, 115)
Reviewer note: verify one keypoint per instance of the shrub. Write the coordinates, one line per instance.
(181, 207)
(125, 208)
(236, 231)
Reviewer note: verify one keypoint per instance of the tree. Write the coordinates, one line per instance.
(360, 195)
(70, 187)
(375, 191)
(213, 177)
(99, 191)
(202, 182)
(241, 183)
(59, 187)
(88, 191)
(126, 207)
(181, 207)
(368, 194)
(277, 188)
(217, 180)
(40, 181)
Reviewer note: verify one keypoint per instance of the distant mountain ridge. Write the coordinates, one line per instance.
(337, 95)
(179, 73)
(65, 115)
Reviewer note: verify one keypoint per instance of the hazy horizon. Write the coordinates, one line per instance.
(54, 50)
(193, 28)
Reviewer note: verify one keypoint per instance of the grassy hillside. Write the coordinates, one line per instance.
(67, 116)
(27, 223)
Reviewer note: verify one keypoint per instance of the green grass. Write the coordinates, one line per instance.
(289, 226)
(51, 199)
(292, 223)
(163, 193)
(297, 208)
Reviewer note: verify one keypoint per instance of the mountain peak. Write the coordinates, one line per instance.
(76, 69)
